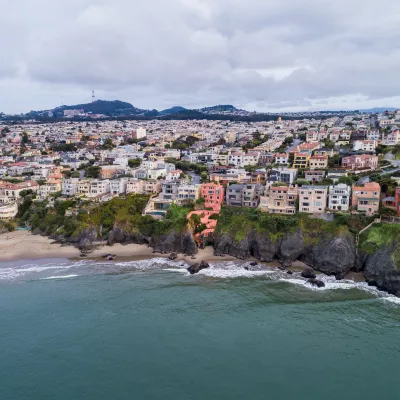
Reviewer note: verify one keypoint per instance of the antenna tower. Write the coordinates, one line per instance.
(93, 97)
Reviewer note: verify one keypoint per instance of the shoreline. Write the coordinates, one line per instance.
(23, 245)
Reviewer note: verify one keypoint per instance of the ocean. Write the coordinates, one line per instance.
(149, 330)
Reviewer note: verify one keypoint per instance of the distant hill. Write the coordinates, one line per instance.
(377, 110)
(222, 108)
(173, 110)
(109, 108)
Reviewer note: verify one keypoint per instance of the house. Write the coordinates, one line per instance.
(339, 197)
(99, 187)
(365, 145)
(314, 176)
(282, 199)
(334, 136)
(213, 194)
(359, 162)
(240, 159)
(391, 138)
(312, 137)
(312, 199)
(282, 158)
(335, 175)
(366, 198)
(325, 151)
(301, 160)
(12, 191)
(285, 175)
(8, 211)
(118, 186)
(244, 195)
(318, 162)
(69, 187)
(188, 192)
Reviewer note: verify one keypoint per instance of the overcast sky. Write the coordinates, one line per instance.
(263, 55)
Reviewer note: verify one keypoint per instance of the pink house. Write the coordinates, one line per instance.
(213, 194)
(363, 161)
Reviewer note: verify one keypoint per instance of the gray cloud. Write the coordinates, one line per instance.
(264, 54)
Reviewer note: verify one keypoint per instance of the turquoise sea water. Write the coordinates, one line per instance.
(148, 330)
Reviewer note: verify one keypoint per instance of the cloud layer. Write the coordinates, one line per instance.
(265, 54)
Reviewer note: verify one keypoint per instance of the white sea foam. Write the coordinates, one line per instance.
(60, 277)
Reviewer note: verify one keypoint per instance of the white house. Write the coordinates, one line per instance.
(339, 197)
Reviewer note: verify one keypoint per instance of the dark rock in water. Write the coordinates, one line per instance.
(253, 264)
(282, 268)
(308, 273)
(173, 256)
(106, 255)
(110, 258)
(195, 268)
(246, 268)
(289, 272)
(83, 255)
(339, 277)
(371, 283)
(316, 282)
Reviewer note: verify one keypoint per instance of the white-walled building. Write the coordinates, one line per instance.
(339, 197)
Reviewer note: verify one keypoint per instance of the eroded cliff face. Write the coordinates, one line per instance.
(328, 254)
(381, 268)
(174, 242)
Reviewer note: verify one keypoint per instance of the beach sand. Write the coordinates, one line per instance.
(22, 245)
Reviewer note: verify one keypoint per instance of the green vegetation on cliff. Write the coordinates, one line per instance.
(71, 217)
(240, 221)
(379, 236)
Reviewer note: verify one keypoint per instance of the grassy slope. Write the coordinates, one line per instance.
(381, 235)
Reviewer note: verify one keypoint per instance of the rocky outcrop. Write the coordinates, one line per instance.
(334, 255)
(316, 282)
(381, 269)
(291, 248)
(308, 273)
(174, 242)
(196, 268)
(328, 253)
(120, 235)
(254, 245)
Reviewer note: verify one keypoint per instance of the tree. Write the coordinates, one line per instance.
(92, 172)
(204, 176)
(329, 144)
(108, 144)
(25, 138)
(347, 180)
(134, 162)
(75, 174)
(334, 161)
(41, 182)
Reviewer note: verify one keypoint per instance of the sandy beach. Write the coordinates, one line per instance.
(22, 245)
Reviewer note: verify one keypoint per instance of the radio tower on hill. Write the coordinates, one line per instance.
(93, 97)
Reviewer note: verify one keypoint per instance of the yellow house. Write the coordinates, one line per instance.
(301, 160)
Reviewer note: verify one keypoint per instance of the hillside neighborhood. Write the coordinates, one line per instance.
(345, 164)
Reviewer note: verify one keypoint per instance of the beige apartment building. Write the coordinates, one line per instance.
(318, 162)
(312, 199)
(282, 199)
